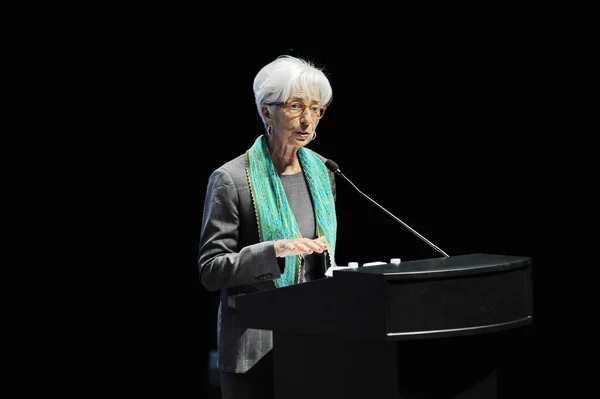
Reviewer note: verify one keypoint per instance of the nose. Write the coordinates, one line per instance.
(306, 117)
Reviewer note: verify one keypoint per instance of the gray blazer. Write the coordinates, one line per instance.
(232, 259)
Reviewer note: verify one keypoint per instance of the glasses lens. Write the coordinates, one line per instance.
(316, 110)
(297, 108)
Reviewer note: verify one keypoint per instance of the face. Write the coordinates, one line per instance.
(293, 123)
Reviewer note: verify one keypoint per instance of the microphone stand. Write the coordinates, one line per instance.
(338, 172)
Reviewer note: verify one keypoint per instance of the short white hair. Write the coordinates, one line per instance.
(279, 79)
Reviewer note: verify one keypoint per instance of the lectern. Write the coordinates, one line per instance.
(431, 328)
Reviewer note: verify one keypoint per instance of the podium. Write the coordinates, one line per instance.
(431, 328)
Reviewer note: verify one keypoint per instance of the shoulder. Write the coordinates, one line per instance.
(231, 172)
(235, 165)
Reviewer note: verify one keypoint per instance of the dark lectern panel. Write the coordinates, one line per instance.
(364, 332)
(455, 296)
(471, 304)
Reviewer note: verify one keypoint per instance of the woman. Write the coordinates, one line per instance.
(269, 217)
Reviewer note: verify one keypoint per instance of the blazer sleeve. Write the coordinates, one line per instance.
(221, 261)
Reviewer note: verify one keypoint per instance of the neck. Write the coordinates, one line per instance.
(285, 158)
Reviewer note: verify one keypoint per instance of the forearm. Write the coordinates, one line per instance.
(252, 264)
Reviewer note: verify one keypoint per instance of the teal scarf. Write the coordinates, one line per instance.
(274, 215)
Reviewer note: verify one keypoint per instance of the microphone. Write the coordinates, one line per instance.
(336, 169)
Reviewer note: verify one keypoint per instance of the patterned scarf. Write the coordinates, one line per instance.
(274, 215)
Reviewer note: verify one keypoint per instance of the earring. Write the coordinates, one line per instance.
(269, 130)
(314, 135)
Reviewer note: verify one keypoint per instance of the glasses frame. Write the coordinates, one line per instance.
(287, 105)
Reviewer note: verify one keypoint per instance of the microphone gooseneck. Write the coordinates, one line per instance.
(336, 169)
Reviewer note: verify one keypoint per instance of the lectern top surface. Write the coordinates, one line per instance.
(444, 266)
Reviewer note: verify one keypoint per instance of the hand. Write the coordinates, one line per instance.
(300, 246)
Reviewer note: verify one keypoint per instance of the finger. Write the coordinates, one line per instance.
(302, 245)
(287, 245)
(322, 242)
(314, 246)
(322, 239)
(290, 246)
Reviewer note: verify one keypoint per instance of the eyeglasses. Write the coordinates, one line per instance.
(296, 108)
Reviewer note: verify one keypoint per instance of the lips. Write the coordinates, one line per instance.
(304, 135)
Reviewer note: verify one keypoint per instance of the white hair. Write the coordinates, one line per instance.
(279, 79)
